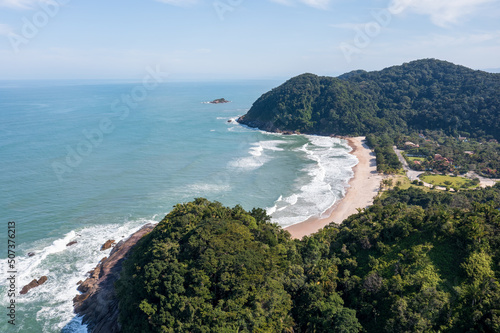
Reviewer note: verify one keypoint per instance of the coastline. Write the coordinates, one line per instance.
(362, 189)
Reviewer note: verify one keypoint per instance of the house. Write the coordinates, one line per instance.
(438, 157)
(468, 152)
(411, 144)
(462, 138)
(417, 162)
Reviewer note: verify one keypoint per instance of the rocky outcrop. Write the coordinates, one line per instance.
(265, 126)
(107, 245)
(71, 243)
(98, 303)
(219, 101)
(33, 284)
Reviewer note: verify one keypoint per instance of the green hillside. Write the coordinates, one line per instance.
(424, 94)
(412, 262)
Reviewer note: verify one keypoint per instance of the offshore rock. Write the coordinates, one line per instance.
(108, 244)
(33, 284)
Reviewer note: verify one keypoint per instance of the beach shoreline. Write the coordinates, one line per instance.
(363, 188)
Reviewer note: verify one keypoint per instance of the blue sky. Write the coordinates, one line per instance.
(233, 39)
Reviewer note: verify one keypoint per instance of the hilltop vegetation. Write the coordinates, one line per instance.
(208, 268)
(413, 262)
(420, 95)
(429, 94)
(441, 153)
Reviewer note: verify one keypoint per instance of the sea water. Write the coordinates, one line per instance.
(89, 161)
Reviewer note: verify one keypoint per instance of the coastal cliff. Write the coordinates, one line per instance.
(98, 303)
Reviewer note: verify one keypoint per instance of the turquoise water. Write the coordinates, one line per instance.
(91, 161)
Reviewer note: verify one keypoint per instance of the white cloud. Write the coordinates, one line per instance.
(5, 30)
(180, 3)
(283, 2)
(349, 26)
(22, 4)
(441, 12)
(320, 4)
(463, 41)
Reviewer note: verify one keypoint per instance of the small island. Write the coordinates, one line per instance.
(219, 101)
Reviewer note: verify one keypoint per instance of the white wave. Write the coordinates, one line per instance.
(258, 157)
(271, 210)
(325, 179)
(292, 200)
(272, 145)
(204, 188)
(256, 150)
(247, 163)
(64, 266)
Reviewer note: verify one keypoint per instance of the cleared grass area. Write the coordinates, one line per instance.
(453, 182)
(421, 159)
(401, 181)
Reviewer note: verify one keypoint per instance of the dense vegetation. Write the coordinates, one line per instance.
(382, 145)
(208, 268)
(421, 95)
(412, 262)
(415, 261)
(430, 95)
(419, 262)
(445, 154)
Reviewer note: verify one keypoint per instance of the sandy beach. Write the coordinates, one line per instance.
(363, 188)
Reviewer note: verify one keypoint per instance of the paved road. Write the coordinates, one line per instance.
(412, 174)
(482, 180)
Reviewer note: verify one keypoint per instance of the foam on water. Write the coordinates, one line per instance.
(205, 188)
(258, 157)
(167, 151)
(64, 266)
(324, 183)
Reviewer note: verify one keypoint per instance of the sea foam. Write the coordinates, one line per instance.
(322, 185)
(64, 266)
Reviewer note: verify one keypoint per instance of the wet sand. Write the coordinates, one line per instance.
(363, 188)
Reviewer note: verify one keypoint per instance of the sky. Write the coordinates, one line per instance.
(240, 39)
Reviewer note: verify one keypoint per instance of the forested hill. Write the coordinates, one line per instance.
(423, 94)
(415, 261)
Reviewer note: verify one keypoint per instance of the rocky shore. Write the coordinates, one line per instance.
(98, 303)
(265, 126)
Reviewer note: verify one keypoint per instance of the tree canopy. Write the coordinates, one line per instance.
(415, 261)
(424, 94)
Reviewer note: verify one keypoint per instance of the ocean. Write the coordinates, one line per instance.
(89, 161)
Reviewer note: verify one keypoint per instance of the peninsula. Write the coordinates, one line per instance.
(414, 259)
